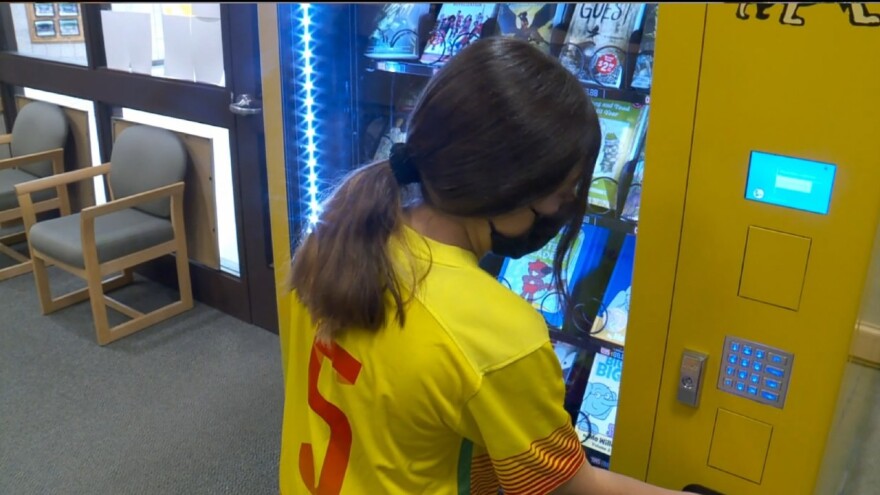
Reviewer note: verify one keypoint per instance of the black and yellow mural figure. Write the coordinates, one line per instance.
(858, 13)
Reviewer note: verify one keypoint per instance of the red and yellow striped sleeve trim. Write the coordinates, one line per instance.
(548, 463)
(483, 479)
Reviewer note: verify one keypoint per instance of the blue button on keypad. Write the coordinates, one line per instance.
(775, 371)
(745, 363)
(771, 384)
(731, 359)
(731, 371)
(747, 350)
(728, 382)
(757, 367)
(753, 390)
(777, 359)
(770, 396)
(759, 354)
(756, 379)
(742, 375)
(734, 346)
(740, 386)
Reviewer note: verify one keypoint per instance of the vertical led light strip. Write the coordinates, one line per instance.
(307, 108)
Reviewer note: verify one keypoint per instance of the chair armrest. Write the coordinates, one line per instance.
(175, 190)
(5, 138)
(33, 186)
(55, 155)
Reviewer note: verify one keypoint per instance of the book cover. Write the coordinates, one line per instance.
(458, 24)
(597, 41)
(598, 410)
(644, 70)
(397, 31)
(568, 355)
(611, 321)
(622, 124)
(634, 195)
(532, 22)
(532, 276)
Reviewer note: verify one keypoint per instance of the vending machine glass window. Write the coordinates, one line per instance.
(351, 75)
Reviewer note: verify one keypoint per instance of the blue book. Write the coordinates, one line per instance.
(610, 323)
(598, 413)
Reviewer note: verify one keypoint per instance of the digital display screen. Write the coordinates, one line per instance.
(791, 182)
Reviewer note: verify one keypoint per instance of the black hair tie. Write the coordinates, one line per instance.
(401, 165)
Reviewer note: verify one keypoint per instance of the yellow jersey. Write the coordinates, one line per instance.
(465, 398)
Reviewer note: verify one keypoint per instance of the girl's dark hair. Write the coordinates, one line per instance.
(499, 127)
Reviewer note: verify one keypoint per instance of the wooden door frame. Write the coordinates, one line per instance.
(245, 297)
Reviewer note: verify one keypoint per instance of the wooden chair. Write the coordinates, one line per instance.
(142, 221)
(37, 142)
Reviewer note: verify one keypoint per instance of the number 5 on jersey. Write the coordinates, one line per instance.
(339, 448)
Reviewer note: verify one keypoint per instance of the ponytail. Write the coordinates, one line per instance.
(342, 271)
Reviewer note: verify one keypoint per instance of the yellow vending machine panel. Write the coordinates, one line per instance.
(761, 215)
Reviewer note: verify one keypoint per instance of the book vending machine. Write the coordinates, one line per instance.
(352, 73)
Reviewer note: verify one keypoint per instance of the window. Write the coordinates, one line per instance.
(178, 41)
(51, 31)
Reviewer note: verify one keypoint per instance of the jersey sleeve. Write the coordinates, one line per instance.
(520, 428)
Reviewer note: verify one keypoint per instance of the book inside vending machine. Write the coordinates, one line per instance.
(393, 50)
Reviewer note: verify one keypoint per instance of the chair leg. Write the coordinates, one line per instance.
(41, 278)
(24, 263)
(99, 306)
(184, 282)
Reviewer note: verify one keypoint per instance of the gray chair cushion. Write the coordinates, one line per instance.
(40, 126)
(146, 158)
(116, 234)
(9, 178)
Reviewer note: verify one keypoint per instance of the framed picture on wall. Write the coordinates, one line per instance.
(68, 27)
(55, 22)
(68, 9)
(45, 29)
(44, 9)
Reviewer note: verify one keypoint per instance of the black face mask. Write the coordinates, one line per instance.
(542, 231)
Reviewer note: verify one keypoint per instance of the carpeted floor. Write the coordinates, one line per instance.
(190, 406)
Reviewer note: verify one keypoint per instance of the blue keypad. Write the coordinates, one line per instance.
(755, 371)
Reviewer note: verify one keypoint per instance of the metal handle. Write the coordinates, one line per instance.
(690, 378)
(246, 105)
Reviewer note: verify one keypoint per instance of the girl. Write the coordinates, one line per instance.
(409, 369)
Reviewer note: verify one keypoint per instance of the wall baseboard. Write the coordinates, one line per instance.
(866, 344)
